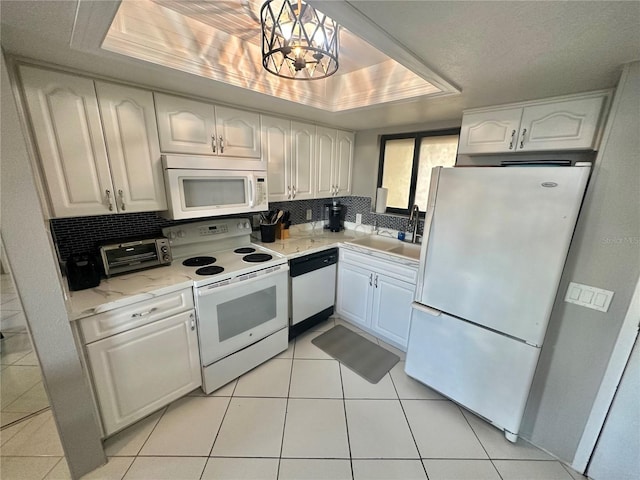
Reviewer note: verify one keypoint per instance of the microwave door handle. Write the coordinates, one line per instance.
(252, 193)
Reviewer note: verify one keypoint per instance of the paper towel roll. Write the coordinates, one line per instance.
(381, 200)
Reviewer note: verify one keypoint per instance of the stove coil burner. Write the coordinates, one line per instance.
(198, 261)
(244, 250)
(257, 257)
(211, 270)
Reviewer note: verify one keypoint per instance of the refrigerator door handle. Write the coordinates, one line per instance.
(426, 231)
(423, 308)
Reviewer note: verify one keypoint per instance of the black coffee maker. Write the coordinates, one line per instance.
(334, 210)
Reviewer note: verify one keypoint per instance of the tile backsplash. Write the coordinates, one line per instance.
(82, 234)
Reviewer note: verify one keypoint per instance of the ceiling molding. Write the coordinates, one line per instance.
(347, 14)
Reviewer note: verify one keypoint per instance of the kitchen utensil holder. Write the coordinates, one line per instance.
(268, 233)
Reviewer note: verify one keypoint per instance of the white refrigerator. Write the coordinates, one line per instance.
(494, 247)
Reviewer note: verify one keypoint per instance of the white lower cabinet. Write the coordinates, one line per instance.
(138, 371)
(377, 302)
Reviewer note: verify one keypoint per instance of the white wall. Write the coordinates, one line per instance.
(31, 258)
(604, 253)
(617, 454)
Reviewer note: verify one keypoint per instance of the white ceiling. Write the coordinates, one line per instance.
(493, 52)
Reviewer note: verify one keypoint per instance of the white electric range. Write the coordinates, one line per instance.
(241, 296)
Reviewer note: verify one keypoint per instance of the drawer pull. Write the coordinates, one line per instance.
(143, 314)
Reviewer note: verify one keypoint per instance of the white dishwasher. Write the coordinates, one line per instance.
(313, 289)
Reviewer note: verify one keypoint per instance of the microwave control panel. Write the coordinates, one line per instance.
(261, 191)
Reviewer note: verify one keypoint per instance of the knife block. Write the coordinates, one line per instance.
(281, 232)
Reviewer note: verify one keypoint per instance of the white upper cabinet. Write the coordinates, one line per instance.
(68, 133)
(325, 160)
(567, 123)
(99, 153)
(288, 148)
(489, 132)
(197, 128)
(303, 172)
(334, 158)
(276, 148)
(129, 124)
(570, 125)
(344, 162)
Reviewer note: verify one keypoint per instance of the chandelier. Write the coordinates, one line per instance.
(298, 42)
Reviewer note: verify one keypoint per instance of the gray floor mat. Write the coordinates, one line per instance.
(370, 361)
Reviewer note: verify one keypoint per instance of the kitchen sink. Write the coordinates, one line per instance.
(411, 250)
(376, 242)
(389, 245)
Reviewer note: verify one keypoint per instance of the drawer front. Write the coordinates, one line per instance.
(391, 269)
(119, 320)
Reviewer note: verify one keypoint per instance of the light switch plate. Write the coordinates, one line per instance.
(358, 218)
(590, 297)
(309, 214)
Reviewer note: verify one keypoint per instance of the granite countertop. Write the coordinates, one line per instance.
(309, 238)
(125, 290)
(134, 287)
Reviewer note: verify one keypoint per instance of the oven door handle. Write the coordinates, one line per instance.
(211, 289)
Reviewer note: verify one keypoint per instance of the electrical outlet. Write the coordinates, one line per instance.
(358, 218)
(309, 214)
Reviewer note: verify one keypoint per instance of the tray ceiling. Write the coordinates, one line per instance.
(220, 40)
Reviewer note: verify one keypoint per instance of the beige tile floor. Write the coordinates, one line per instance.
(299, 416)
(21, 389)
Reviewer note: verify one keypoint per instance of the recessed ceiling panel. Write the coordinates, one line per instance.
(220, 40)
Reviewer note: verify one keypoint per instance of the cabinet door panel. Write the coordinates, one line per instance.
(344, 162)
(275, 148)
(564, 125)
(490, 132)
(184, 126)
(391, 312)
(302, 159)
(141, 370)
(354, 293)
(66, 122)
(325, 153)
(131, 135)
(240, 132)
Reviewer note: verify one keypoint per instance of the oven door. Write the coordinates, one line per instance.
(234, 316)
(207, 193)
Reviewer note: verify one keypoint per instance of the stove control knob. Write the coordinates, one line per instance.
(246, 225)
(165, 249)
(180, 234)
(166, 258)
(172, 235)
(242, 226)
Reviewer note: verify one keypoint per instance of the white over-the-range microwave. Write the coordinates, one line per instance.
(196, 188)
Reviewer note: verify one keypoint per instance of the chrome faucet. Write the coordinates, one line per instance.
(414, 222)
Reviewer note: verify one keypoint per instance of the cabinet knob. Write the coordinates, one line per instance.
(513, 134)
(213, 143)
(293, 192)
(371, 279)
(221, 144)
(375, 283)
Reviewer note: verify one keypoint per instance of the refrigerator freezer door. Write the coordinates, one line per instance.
(486, 372)
(498, 244)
